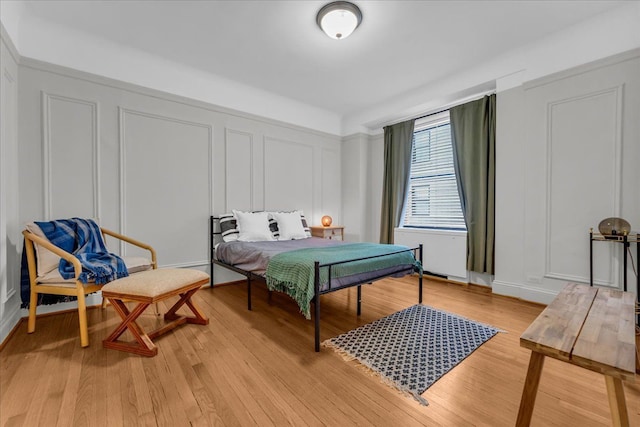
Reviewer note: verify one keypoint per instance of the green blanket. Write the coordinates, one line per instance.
(293, 272)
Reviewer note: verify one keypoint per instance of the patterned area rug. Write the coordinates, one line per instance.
(413, 348)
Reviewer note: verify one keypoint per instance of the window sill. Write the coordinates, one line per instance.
(439, 231)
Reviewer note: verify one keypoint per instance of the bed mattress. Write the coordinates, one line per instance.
(254, 256)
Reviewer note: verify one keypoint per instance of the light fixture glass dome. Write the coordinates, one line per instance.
(339, 19)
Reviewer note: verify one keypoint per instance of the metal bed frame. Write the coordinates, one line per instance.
(317, 266)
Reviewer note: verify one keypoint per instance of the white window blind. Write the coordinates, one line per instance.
(432, 197)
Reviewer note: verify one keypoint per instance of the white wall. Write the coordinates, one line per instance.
(603, 35)
(375, 160)
(569, 149)
(148, 164)
(354, 187)
(566, 158)
(155, 166)
(10, 238)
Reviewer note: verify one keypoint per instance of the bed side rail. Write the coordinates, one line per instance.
(415, 252)
(214, 230)
(316, 299)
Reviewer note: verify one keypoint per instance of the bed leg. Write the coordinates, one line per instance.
(211, 277)
(249, 293)
(316, 315)
(316, 305)
(211, 250)
(420, 277)
(359, 309)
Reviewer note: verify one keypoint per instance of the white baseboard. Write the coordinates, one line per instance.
(458, 279)
(517, 290)
(9, 321)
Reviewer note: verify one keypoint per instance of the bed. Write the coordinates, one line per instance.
(305, 268)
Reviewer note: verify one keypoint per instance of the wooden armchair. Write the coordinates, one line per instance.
(51, 282)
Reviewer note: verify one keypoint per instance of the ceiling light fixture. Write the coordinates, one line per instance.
(339, 19)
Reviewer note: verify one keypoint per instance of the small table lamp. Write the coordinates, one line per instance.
(326, 220)
(612, 228)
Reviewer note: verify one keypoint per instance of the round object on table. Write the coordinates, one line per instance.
(613, 227)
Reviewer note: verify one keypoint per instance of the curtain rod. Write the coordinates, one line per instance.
(450, 106)
(455, 104)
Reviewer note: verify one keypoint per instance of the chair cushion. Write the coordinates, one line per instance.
(135, 264)
(46, 260)
(155, 283)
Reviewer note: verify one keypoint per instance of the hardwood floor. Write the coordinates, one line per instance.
(259, 368)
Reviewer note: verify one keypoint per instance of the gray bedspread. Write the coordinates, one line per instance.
(254, 256)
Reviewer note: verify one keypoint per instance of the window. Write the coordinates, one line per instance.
(432, 196)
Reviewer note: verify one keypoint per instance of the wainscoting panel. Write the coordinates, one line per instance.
(70, 143)
(10, 237)
(580, 146)
(331, 185)
(593, 119)
(288, 176)
(166, 185)
(149, 164)
(239, 170)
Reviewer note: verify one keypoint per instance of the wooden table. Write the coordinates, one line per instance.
(333, 232)
(589, 327)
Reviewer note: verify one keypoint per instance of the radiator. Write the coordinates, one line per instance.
(444, 252)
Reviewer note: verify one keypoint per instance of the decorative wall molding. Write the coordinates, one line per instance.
(228, 182)
(203, 263)
(310, 172)
(607, 61)
(10, 78)
(9, 127)
(133, 88)
(11, 48)
(325, 154)
(616, 167)
(47, 99)
(122, 137)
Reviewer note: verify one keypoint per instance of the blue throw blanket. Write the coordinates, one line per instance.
(83, 238)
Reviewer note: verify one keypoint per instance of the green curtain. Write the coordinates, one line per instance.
(473, 134)
(398, 139)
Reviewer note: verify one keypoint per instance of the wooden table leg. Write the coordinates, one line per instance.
(637, 352)
(617, 403)
(530, 389)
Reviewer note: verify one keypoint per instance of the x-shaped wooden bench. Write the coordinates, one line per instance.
(146, 288)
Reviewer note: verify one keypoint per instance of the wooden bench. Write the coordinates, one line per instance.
(146, 288)
(593, 328)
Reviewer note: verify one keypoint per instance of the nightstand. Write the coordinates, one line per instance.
(334, 232)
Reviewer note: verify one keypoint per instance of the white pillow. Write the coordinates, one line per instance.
(289, 225)
(253, 226)
(46, 260)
